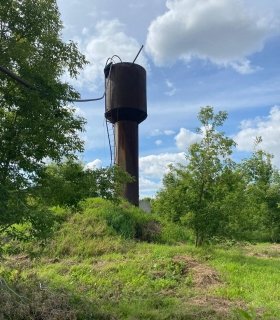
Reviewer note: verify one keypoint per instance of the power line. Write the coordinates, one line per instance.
(16, 77)
(110, 144)
(107, 70)
(87, 100)
(26, 84)
(23, 82)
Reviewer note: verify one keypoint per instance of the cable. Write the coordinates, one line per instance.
(110, 145)
(29, 86)
(16, 78)
(106, 83)
(115, 55)
(86, 100)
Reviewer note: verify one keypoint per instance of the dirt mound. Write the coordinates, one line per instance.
(203, 276)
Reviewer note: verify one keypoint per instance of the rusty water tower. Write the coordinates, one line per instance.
(125, 108)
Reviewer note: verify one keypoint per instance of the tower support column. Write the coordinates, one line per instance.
(127, 157)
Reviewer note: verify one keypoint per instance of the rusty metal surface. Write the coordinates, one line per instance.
(126, 135)
(126, 107)
(126, 97)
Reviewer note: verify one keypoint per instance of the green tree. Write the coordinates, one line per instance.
(172, 200)
(67, 183)
(263, 196)
(209, 165)
(36, 121)
(197, 191)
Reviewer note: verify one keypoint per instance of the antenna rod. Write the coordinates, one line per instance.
(138, 53)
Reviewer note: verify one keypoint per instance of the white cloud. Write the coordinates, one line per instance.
(108, 39)
(152, 168)
(95, 164)
(158, 142)
(155, 166)
(169, 132)
(148, 187)
(158, 132)
(185, 138)
(171, 88)
(222, 31)
(85, 31)
(266, 127)
(244, 66)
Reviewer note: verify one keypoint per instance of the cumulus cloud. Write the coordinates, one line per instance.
(155, 166)
(266, 127)
(108, 39)
(95, 164)
(148, 187)
(152, 168)
(185, 138)
(225, 32)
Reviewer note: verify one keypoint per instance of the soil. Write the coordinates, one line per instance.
(203, 276)
(272, 251)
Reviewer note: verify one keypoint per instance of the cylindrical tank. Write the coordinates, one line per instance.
(125, 92)
(126, 107)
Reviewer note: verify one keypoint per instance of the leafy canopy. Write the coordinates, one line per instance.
(218, 198)
(35, 124)
(68, 183)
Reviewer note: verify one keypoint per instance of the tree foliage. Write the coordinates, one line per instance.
(67, 183)
(209, 164)
(214, 196)
(36, 122)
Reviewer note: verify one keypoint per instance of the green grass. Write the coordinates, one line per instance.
(94, 269)
(253, 279)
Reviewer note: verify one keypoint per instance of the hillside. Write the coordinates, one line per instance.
(113, 261)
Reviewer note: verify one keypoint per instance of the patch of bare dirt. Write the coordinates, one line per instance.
(271, 251)
(219, 305)
(18, 261)
(203, 276)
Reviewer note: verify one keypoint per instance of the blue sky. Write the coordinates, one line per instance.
(223, 53)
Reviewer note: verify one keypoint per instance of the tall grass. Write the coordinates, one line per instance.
(112, 261)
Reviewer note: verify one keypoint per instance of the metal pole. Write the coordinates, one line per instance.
(126, 135)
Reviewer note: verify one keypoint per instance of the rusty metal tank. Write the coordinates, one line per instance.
(125, 97)
(126, 107)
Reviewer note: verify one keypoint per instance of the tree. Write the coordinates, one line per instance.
(196, 192)
(67, 183)
(36, 120)
(263, 195)
(172, 200)
(209, 165)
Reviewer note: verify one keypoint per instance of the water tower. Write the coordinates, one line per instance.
(126, 107)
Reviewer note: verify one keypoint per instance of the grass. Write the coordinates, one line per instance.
(95, 269)
(252, 278)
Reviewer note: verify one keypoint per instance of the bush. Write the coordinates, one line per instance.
(124, 219)
(102, 226)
